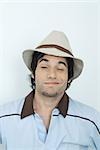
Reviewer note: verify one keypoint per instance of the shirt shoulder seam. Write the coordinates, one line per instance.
(87, 119)
(9, 115)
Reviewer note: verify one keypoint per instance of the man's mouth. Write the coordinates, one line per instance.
(52, 83)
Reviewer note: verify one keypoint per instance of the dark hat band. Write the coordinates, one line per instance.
(54, 46)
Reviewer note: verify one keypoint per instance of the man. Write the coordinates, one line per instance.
(48, 119)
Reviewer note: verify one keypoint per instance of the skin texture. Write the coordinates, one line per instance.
(51, 77)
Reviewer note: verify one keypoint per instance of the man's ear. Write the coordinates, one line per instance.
(69, 81)
(32, 81)
(32, 76)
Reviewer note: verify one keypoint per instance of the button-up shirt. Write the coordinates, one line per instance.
(73, 126)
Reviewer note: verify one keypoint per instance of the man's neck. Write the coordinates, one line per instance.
(45, 105)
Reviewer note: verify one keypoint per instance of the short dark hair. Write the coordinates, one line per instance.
(37, 55)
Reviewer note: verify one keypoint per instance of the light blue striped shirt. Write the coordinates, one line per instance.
(22, 129)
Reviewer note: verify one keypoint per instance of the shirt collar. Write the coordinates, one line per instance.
(27, 108)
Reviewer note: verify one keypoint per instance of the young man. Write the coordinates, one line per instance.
(47, 119)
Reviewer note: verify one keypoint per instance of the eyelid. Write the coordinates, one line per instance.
(60, 68)
(43, 65)
(63, 67)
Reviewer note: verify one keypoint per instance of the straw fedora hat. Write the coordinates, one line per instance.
(56, 44)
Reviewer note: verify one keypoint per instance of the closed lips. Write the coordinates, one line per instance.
(51, 82)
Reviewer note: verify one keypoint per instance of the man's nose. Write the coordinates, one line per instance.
(52, 73)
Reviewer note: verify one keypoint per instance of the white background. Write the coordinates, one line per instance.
(24, 24)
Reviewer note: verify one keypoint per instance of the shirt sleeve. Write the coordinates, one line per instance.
(96, 131)
(0, 136)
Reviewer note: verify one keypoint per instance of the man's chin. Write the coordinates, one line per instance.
(48, 94)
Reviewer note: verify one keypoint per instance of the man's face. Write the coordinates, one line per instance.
(51, 76)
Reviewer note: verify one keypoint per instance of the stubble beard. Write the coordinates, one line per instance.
(53, 95)
(50, 94)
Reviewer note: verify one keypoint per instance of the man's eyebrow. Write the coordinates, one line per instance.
(61, 62)
(46, 60)
(43, 59)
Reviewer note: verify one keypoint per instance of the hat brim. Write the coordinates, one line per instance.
(78, 63)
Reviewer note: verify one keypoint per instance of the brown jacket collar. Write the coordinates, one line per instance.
(28, 105)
